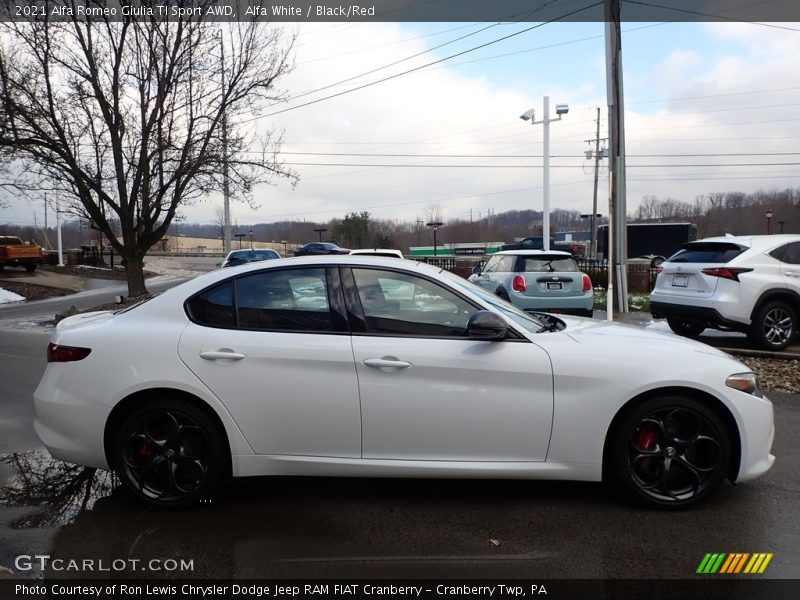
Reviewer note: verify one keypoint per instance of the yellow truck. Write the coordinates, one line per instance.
(16, 253)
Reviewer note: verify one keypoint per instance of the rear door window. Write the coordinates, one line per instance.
(707, 252)
(285, 300)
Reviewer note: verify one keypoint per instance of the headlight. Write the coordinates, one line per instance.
(745, 382)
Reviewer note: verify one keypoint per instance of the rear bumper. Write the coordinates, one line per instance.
(568, 305)
(711, 317)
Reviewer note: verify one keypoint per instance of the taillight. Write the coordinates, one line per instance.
(518, 284)
(726, 272)
(587, 283)
(56, 353)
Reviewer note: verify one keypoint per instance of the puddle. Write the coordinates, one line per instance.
(56, 491)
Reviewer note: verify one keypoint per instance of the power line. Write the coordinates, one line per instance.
(380, 155)
(716, 16)
(484, 166)
(415, 69)
(397, 62)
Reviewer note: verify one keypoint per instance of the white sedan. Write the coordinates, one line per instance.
(354, 366)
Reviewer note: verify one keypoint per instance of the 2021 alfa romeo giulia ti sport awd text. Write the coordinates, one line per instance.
(379, 367)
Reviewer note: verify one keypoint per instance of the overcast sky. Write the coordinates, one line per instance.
(694, 92)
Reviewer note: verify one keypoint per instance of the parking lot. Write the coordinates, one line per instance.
(341, 528)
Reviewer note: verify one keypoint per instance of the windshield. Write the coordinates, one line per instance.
(254, 255)
(528, 322)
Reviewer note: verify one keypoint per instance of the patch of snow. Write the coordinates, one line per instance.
(164, 265)
(6, 296)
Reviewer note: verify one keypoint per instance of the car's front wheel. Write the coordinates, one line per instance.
(669, 452)
(690, 329)
(774, 326)
(169, 453)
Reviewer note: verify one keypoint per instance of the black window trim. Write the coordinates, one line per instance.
(335, 302)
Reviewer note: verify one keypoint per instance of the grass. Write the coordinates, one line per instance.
(636, 302)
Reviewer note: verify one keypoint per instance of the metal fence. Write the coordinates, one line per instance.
(641, 274)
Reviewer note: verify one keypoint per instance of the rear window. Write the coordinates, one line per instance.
(707, 252)
(550, 264)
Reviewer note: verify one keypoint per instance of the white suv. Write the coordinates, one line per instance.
(742, 283)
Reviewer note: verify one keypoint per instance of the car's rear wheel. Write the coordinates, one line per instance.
(503, 294)
(686, 328)
(669, 452)
(169, 453)
(30, 268)
(774, 326)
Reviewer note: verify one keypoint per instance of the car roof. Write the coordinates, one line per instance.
(559, 253)
(756, 242)
(391, 251)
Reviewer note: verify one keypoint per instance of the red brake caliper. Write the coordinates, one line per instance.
(645, 438)
(146, 450)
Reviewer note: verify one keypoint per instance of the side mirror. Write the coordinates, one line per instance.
(486, 325)
(476, 270)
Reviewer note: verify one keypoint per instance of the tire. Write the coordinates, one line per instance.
(169, 453)
(679, 436)
(774, 326)
(690, 329)
(501, 293)
(30, 268)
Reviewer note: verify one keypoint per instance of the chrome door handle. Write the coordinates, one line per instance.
(383, 363)
(222, 355)
(793, 273)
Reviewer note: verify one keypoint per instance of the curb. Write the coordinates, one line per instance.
(761, 353)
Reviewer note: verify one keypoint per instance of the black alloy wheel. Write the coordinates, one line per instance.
(670, 452)
(774, 326)
(169, 453)
(690, 329)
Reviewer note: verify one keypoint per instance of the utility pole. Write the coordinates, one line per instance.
(598, 155)
(46, 237)
(225, 179)
(58, 227)
(617, 229)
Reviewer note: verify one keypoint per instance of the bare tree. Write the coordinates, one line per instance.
(124, 120)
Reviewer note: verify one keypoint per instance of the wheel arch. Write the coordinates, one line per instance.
(714, 403)
(790, 297)
(133, 401)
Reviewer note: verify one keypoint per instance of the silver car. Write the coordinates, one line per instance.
(538, 280)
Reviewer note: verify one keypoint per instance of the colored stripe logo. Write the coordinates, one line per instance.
(734, 563)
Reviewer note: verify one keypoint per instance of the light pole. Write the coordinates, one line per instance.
(780, 224)
(561, 109)
(435, 226)
(284, 242)
(251, 239)
(768, 214)
(320, 231)
(240, 236)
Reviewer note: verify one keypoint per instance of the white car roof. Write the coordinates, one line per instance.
(757, 242)
(534, 252)
(391, 251)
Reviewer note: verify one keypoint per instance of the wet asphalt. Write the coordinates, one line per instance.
(344, 528)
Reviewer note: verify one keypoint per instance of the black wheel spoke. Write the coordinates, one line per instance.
(148, 470)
